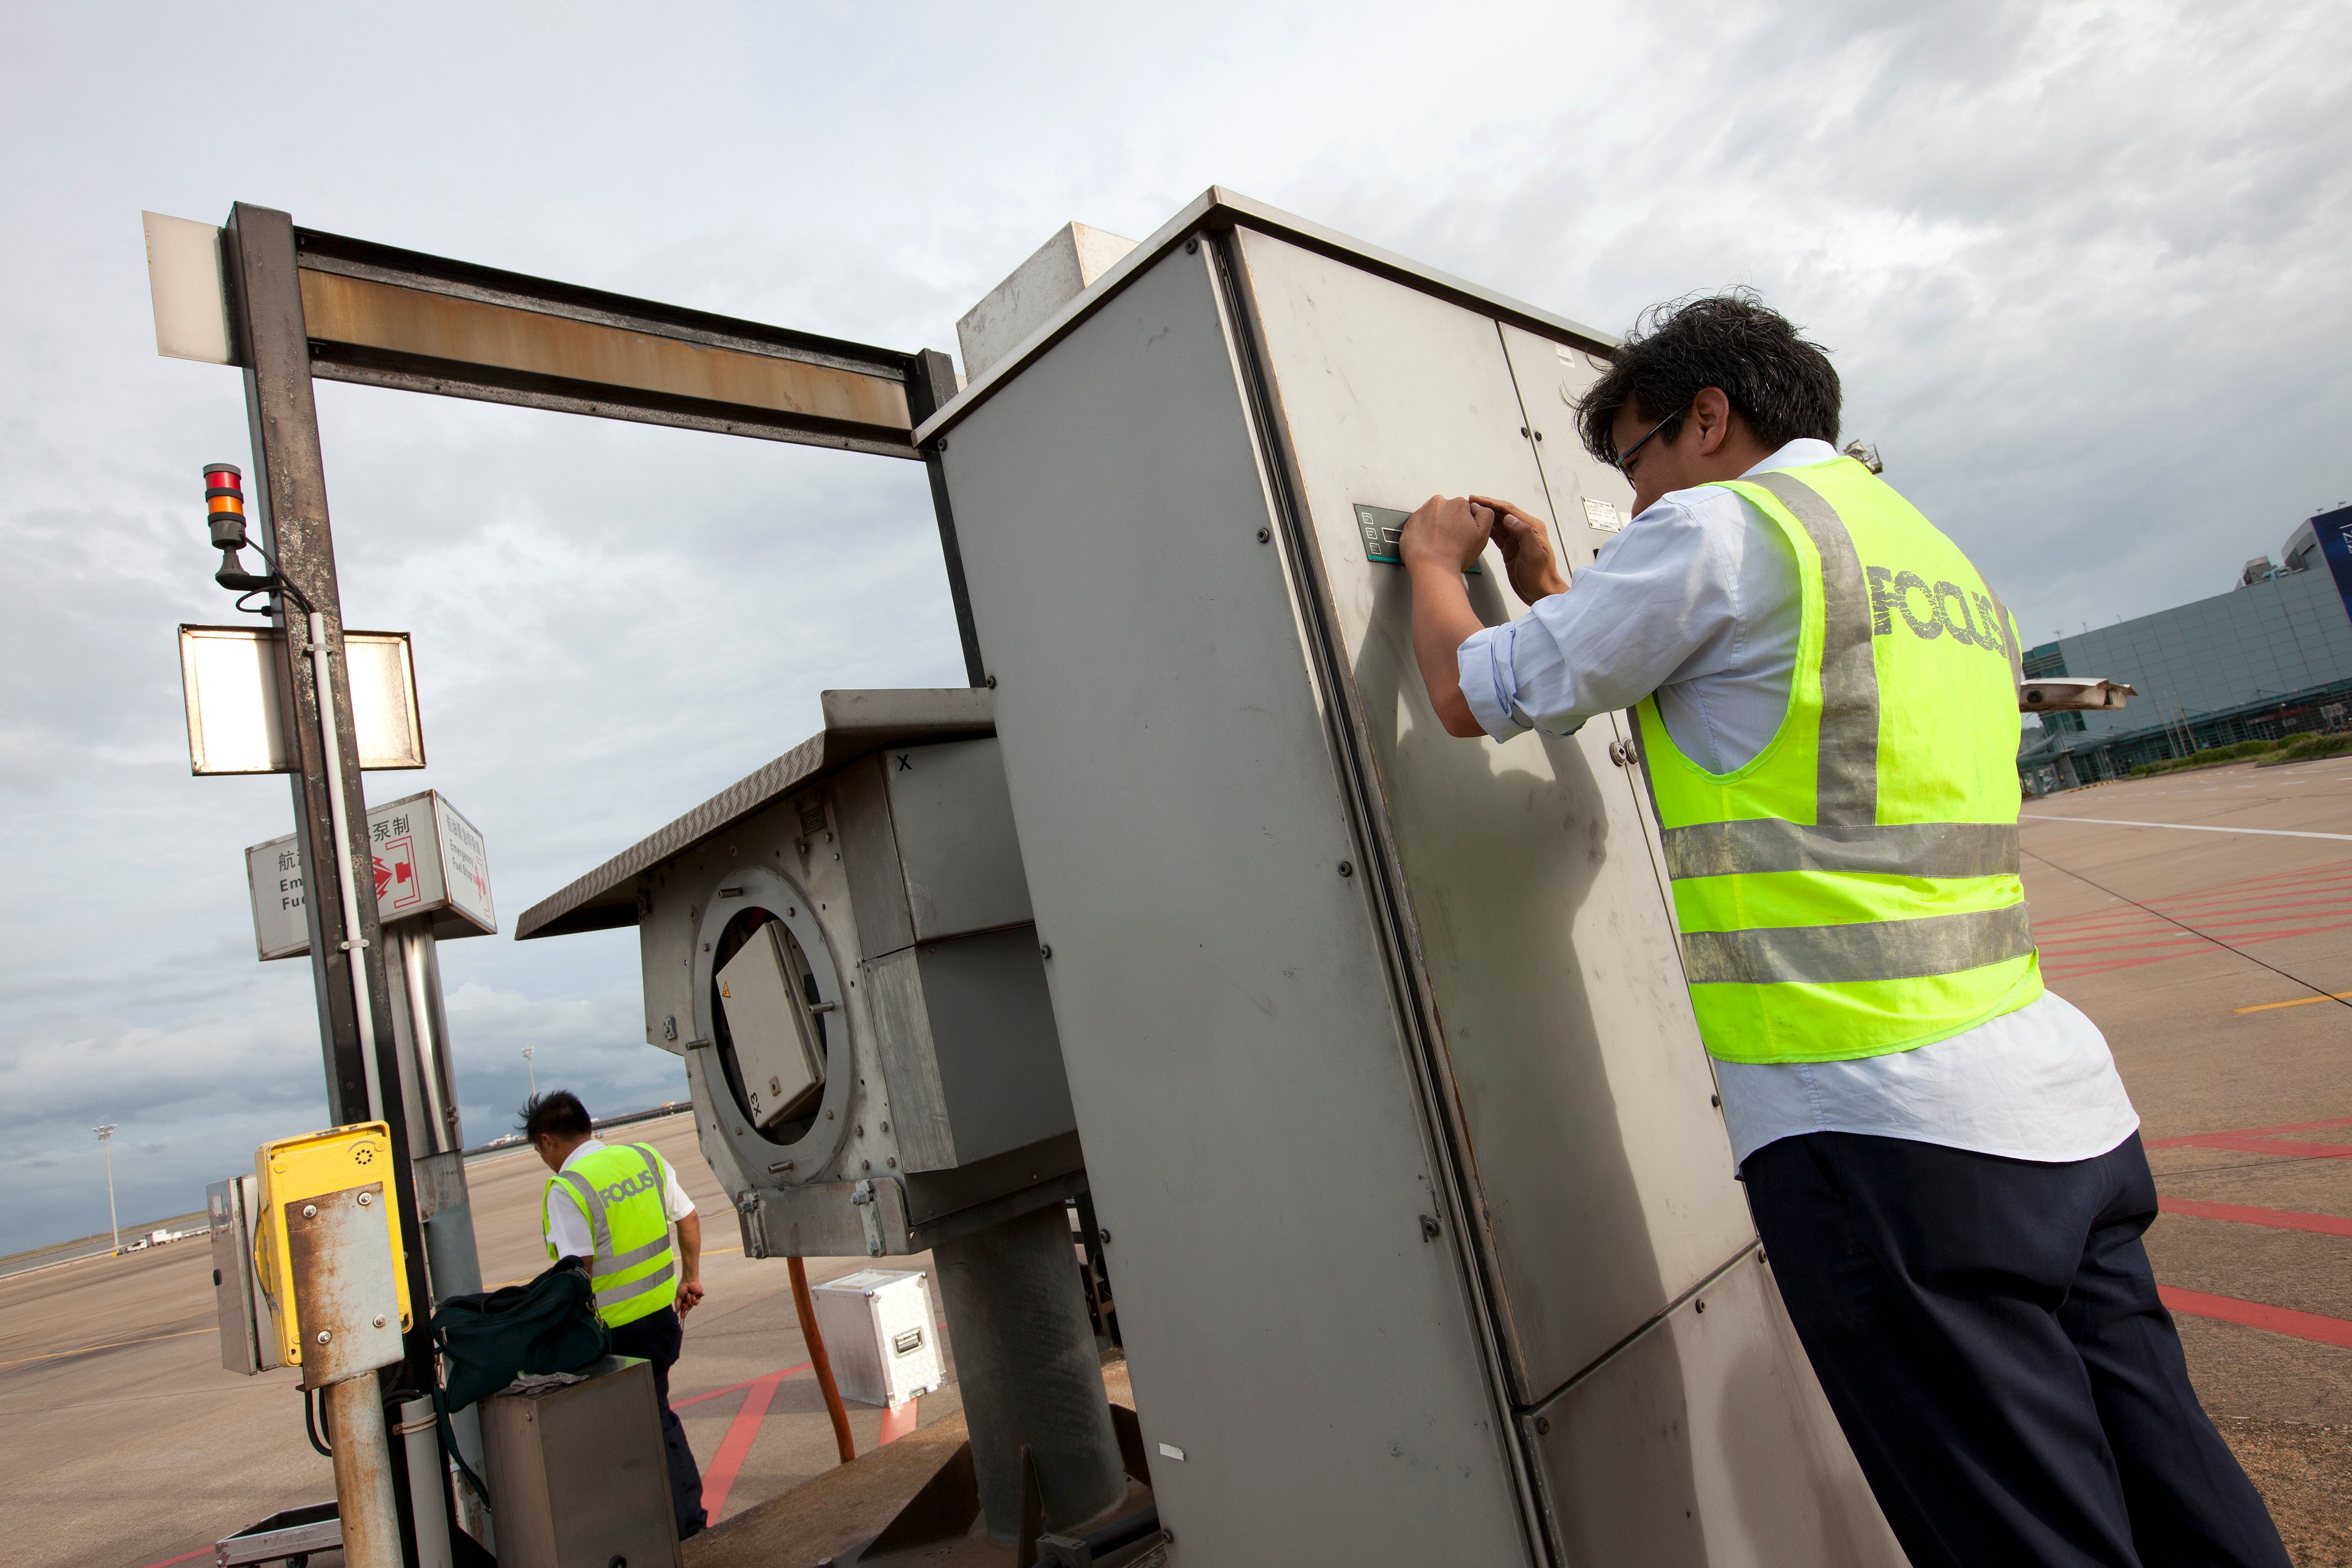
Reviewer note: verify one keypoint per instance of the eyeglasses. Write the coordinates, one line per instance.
(1625, 458)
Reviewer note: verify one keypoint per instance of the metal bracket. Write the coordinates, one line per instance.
(863, 1198)
(747, 1220)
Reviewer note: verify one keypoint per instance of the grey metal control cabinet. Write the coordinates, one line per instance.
(1424, 1219)
(577, 1474)
(880, 859)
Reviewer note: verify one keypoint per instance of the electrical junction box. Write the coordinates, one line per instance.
(340, 1178)
(248, 1337)
(429, 862)
(766, 992)
(867, 888)
(881, 1334)
(1351, 1009)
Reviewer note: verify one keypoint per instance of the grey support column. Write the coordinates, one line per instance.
(1025, 1354)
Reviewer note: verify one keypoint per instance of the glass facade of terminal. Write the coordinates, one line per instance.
(2268, 658)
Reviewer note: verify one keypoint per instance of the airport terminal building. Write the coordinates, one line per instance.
(2271, 656)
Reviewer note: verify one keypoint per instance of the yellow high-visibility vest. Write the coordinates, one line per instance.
(1854, 890)
(618, 1188)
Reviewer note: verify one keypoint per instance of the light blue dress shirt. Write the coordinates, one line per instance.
(1698, 600)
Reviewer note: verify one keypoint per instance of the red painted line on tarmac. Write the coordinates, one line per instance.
(734, 1387)
(187, 1556)
(2296, 1126)
(2257, 1316)
(2276, 1219)
(736, 1446)
(2237, 904)
(2166, 936)
(2245, 1144)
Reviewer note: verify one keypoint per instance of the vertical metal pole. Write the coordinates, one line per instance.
(1032, 1379)
(106, 1142)
(931, 382)
(364, 1494)
(323, 683)
(262, 270)
(436, 1143)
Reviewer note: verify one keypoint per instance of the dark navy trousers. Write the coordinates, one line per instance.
(1989, 1332)
(658, 1337)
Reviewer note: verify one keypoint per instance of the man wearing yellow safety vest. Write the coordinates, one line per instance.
(1942, 1162)
(614, 1204)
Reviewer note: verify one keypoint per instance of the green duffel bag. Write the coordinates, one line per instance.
(547, 1326)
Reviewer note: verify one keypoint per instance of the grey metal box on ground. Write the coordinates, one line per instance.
(577, 1473)
(882, 1335)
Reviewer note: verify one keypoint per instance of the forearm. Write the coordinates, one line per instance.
(1443, 621)
(689, 1249)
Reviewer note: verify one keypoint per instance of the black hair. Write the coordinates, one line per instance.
(559, 1112)
(1782, 386)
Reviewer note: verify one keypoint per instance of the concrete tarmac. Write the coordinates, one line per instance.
(2206, 957)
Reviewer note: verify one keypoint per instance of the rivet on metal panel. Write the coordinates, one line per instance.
(1264, 535)
(1045, 949)
(1524, 431)
(992, 683)
(866, 1164)
(885, 1126)
(310, 1211)
(1716, 1100)
(1105, 1234)
(1538, 435)
(1543, 1425)
(1429, 1227)
(1347, 868)
(1192, 247)
(378, 1320)
(892, 1162)
(366, 1199)
(1702, 1306)
(324, 1337)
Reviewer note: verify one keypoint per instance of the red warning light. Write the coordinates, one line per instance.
(225, 504)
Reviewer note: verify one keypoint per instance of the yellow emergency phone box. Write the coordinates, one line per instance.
(291, 1170)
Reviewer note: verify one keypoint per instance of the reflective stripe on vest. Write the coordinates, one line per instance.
(618, 1189)
(1853, 889)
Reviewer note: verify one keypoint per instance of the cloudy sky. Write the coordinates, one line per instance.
(2083, 267)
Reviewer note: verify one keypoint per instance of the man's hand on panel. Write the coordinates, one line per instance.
(1447, 530)
(1527, 550)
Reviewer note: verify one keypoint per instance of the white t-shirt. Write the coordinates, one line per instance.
(567, 1227)
(1698, 601)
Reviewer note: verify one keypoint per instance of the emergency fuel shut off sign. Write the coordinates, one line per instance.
(429, 861)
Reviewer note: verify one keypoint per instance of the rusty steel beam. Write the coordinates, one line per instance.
(384, 317)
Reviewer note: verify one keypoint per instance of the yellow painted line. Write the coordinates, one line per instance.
(2298, 1002)
(113, 1345)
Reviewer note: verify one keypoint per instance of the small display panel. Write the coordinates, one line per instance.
(1380, 526)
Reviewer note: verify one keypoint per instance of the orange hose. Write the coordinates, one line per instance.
(805, 1304)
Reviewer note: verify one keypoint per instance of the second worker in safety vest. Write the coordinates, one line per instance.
(1942, 1162)
(617, 1205)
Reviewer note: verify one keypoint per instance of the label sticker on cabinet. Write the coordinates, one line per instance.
(1380, 527)
(1603, 515)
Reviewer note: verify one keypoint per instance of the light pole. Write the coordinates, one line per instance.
(106, 1141)
(527, 1067)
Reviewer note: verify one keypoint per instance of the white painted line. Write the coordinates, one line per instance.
(2186, 827)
